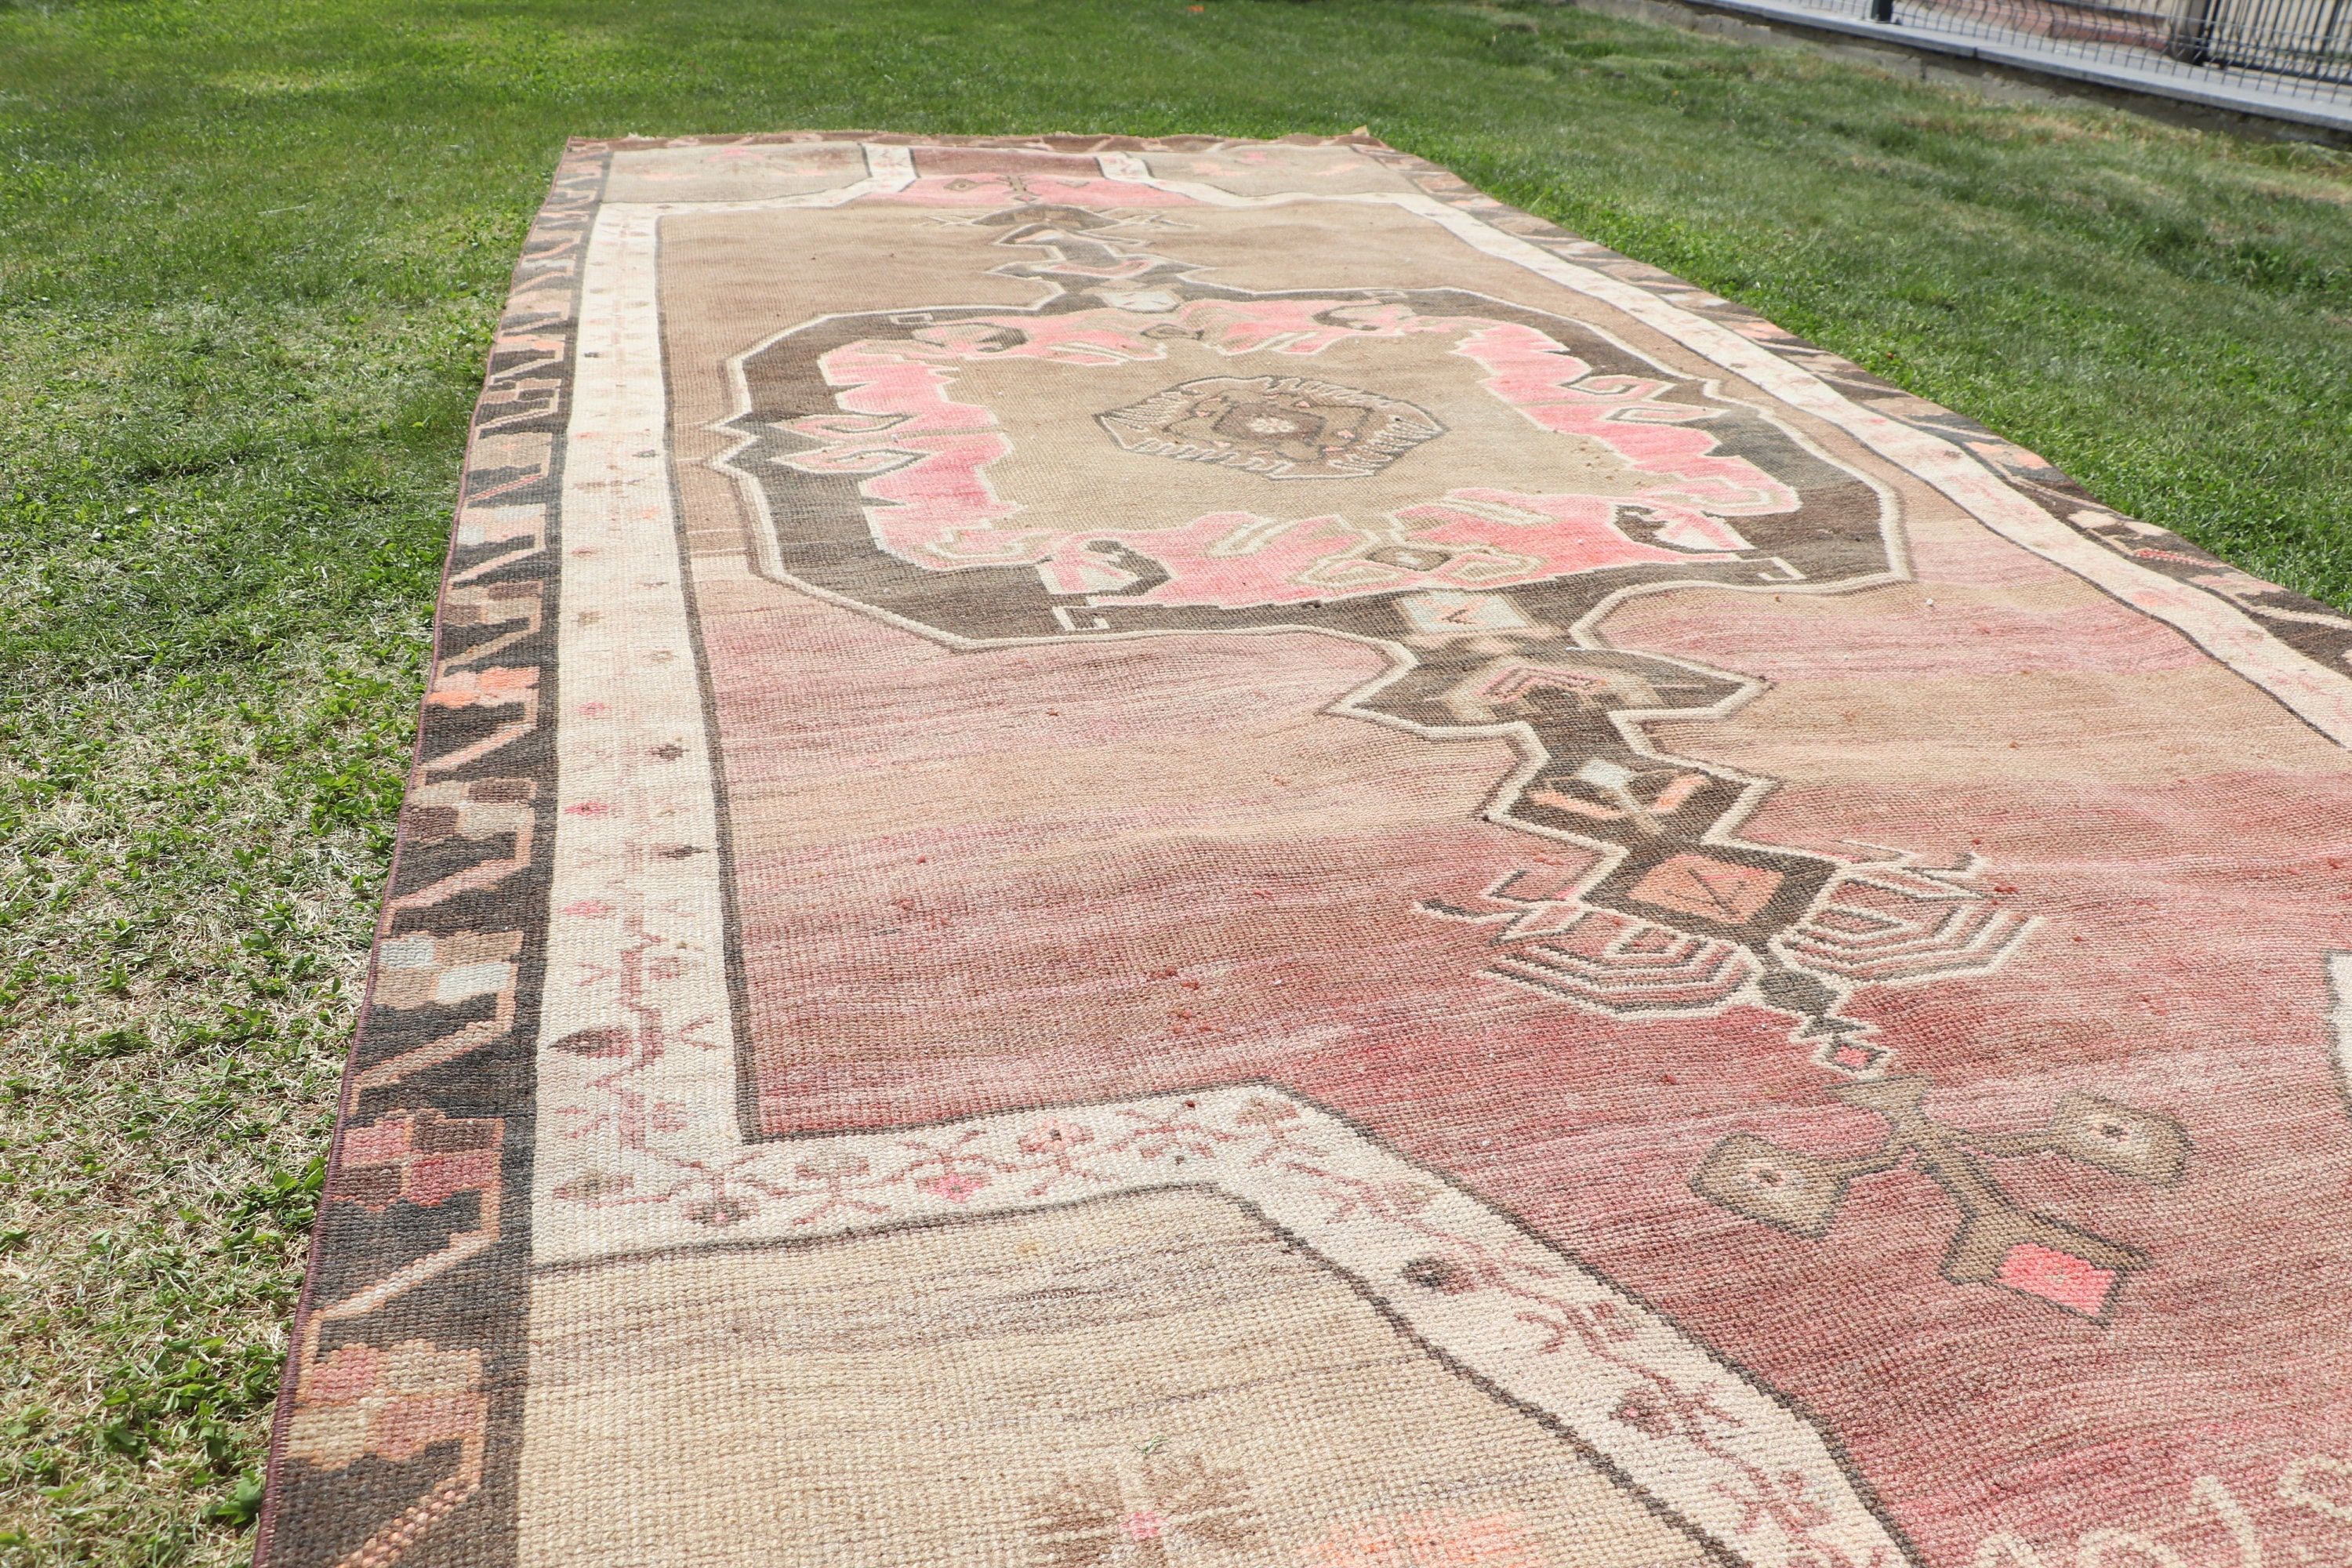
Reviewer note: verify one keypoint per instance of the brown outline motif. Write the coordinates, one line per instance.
(1998, 1240)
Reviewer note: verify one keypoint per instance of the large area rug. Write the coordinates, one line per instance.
(1203, 854)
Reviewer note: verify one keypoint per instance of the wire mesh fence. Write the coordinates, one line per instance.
(2299, 49)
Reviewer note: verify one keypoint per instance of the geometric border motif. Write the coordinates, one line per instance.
(393, 1437)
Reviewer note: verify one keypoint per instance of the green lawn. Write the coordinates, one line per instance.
(250, 252)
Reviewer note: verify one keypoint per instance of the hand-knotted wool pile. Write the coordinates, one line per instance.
(1203, 854)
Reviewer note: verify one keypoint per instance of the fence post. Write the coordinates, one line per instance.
(1884, 11)
(2193, 33)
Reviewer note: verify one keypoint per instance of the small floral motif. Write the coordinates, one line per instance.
(1052, 1134)
(1646, 1411)
(1145, 1515)
(721, 1211)
(955, 1186)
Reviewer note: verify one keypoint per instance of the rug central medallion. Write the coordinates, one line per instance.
(1282, 426)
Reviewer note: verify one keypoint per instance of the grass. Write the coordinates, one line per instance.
(250, 252)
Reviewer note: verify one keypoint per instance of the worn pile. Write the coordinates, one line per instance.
(1203, 854)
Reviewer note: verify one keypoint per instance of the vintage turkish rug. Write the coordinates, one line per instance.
(1203, 854)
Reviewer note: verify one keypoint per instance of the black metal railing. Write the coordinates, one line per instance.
(2288, 49)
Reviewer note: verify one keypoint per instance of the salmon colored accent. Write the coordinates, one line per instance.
(2058, 1277)
(1710, 889)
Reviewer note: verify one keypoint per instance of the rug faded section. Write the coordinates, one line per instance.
(1203, 853)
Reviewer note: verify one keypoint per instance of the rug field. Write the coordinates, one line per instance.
(1203, 852)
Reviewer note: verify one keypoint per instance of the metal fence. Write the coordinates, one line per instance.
(2293, 49)
(2288, 37)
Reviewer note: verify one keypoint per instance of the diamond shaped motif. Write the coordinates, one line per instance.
(1701, 885)
(2119, 1138)
(1752, 1176)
